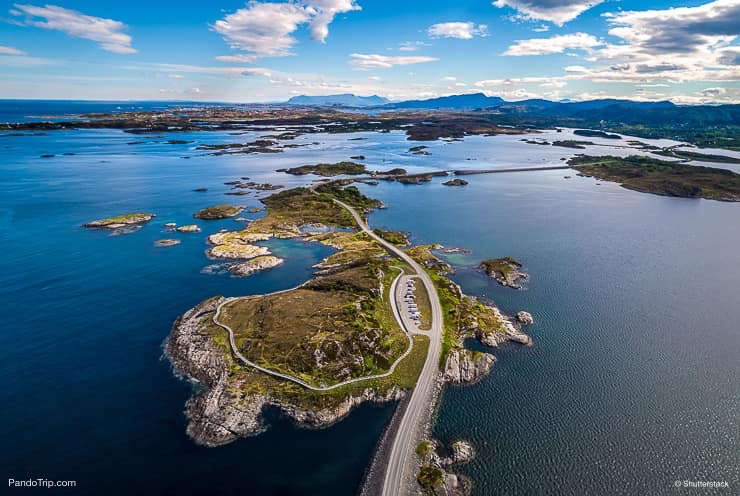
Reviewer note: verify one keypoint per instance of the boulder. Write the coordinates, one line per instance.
(524, 318)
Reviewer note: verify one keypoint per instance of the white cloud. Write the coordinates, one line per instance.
(175, 76)
(323, 12)
(542, 28)
(374, 61)
(459, 30)
(239, 58)
(555, 44)
(264, 29)
(556, 11)
(448, 78)
(672, 45)
(411, 46)
(713, 92)
(6, 50)
(108, 33)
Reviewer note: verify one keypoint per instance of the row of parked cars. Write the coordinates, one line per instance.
(410, 300)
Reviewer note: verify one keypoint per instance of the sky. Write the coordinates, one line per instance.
(685, 51)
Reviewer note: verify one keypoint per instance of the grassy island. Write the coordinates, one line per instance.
(121, 220)
(505, 270)
(455, 182)
(218, 212)
(649, 175)
(328, 170)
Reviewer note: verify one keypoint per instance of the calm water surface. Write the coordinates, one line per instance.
(632, 382)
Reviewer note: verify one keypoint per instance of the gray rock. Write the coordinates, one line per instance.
(465, 366)
(524, 318)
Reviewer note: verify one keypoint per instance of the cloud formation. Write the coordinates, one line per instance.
(264, 29)
(678, 44)
(554, 44)
(6, 50)
(556, 11)
(108, 33)
(374, 61)
(459, 30)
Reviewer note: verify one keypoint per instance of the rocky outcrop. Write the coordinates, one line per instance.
(190, 228)
(509, 332)
(218, 212)
(219, 412)
(524, 318)
(214, 417)
(505, 270)
(433, 477)
(255, 265)
(238, 251)
(167, 242)
(120, 221)
(466, 366)
(462, 452)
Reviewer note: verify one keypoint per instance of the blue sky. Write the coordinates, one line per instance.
(685, 51)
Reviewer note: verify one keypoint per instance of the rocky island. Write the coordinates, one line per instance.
(328, 170)
(504, 270)
(455, 182)
(120, 221)
(218, 212)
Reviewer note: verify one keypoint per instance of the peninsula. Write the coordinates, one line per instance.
(343, 338)
(660, 177)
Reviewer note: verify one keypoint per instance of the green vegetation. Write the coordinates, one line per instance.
(504, 268)
(349, 195)
(397, 238)
(332, 329)
(425, 306)
(121, 220)
(649, 175)
(424, 448)
(218, 212)
(430, 478)
(701, 157)
(463, 315)
(299, 206)
(329, 170)
(455, 182)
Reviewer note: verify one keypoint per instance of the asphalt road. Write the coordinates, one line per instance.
(402, 451)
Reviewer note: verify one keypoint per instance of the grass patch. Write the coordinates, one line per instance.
(424, 448)
(397, 238)
(430, 478)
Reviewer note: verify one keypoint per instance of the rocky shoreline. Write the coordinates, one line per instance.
(218, 413)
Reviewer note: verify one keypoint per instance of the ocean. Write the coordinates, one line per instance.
(631, 383)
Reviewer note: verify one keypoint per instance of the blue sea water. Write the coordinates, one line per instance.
(632, 382)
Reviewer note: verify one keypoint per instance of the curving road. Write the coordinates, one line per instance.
(249, 363)
(402, 450)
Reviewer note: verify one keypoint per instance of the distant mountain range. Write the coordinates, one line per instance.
(688, 121)
(343, 100)
(472, 101)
